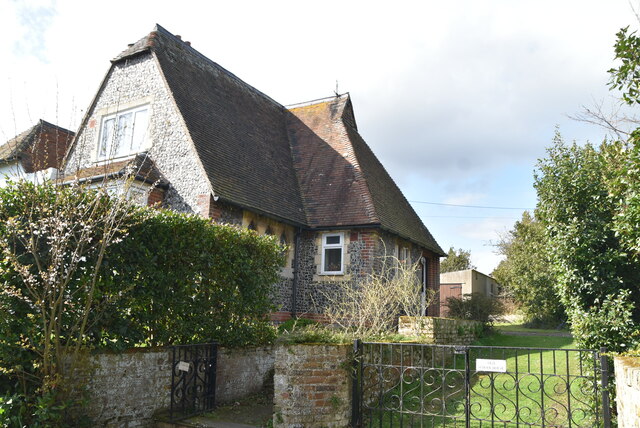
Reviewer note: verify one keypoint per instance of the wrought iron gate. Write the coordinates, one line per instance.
(407, 385)
(193, 380)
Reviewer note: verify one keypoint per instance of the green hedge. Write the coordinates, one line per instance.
(192, 281)
(168, 278)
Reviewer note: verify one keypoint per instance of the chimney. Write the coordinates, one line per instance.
(130, 44)
(187, 43)
(178, 36)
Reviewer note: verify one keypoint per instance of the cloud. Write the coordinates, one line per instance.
(465, 198)
(485, 261)
(486, 230)
(35, 17)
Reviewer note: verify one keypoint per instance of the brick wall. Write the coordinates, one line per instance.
(312, 386)
(441, 331)
(48, 149)
(627, 370)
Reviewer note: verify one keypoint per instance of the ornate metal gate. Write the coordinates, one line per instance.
(193, 380)
(412, 385)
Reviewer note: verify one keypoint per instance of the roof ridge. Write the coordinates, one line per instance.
(433, 244)
(316, 101)
(163, 32)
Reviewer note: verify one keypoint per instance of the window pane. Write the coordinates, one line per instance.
(139, 130)
(333, 239)
(125, 131)
(333, 260)
(107, 138)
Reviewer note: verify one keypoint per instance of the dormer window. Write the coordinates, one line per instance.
(123, 133)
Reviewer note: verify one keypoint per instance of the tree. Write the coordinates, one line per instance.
(456, 260)
(53, 241)
(593, 266)
(527, 273)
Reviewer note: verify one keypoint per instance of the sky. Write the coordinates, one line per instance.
(458, 99)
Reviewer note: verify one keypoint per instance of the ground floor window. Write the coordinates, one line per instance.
(332, 253)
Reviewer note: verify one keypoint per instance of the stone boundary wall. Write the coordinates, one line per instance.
(243, 372)
(127, 389)
(441, 331)
(627, 373)
(312, 386)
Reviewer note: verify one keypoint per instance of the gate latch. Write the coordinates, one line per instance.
(460, 350)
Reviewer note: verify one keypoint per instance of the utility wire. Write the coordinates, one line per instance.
(472, 206)
(462, 216)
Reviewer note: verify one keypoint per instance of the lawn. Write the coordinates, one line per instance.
(539, 386)
(520, 328)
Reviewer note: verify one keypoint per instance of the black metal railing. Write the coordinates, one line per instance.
(406, 385)
(193, 380)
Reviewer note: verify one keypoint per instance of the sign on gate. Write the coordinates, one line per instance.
(483, 365)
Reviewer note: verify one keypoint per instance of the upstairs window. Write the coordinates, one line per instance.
(123, 133)
(333, 253)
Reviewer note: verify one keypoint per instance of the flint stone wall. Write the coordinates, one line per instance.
(126, 389)
(627, 370)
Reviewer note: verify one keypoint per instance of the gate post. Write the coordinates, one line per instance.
(356, 388)
(467, 388)
(604, 367)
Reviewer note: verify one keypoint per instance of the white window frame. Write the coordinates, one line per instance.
(326, 246)
(109, 150)
(404, 255)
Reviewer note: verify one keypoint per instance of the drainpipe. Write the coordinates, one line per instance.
(296, 275)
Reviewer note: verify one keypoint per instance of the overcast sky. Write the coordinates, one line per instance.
(457, 98)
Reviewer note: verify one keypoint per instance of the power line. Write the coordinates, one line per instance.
(462, 216)
(472, 206)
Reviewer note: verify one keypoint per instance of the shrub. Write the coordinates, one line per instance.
(476, 307)
(80, 270)
(371, 307)
(295, 324)
(194, 282)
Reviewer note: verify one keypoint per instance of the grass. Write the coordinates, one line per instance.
(527, 341)
(540, 386)
(520, 328)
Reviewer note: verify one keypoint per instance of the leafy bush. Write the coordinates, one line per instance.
(80, 270)
(194, 281)
(476, 307)
(596, 270)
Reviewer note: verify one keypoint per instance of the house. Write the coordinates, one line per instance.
(228, 152)
(35, 153)
(458, 283)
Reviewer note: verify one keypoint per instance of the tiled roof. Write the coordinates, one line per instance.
(40, 147)
(141, 168)
(342, 181)
(238, 132)
(12, 148)
(333, 187)
(306, 164)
